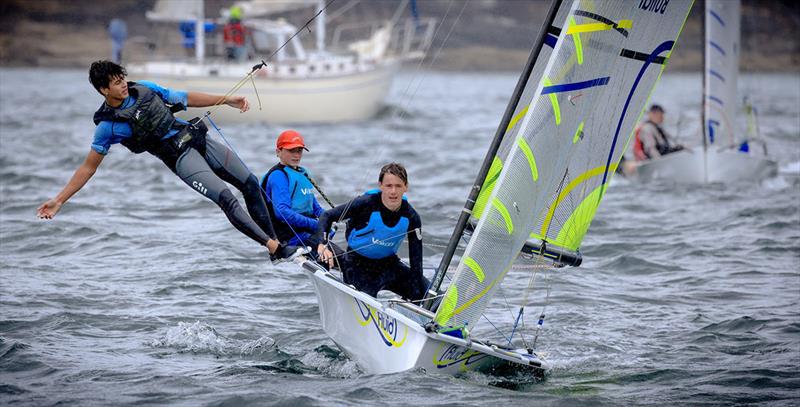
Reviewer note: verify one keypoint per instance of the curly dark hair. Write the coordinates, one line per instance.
(395, 169)
(101, 73)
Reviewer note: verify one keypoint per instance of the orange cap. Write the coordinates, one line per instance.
(290, 139)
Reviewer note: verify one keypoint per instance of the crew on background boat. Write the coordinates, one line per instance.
(290, 193)
(234, 36)
(118, 32)
(651, 141)
(377, 224)
(139, 115)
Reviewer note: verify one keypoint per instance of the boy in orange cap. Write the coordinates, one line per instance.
(290, 194)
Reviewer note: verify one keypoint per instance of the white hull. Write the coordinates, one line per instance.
(326, 99)
(391, 338)
(692, 166)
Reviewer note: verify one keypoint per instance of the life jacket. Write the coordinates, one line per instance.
(376, 240)
(151, 119)
(301, 196)
(233, 34)
(638, 146)
(301, 190)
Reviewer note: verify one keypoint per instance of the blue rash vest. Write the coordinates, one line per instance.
(374, 232)
(376, 240)
(291, 201)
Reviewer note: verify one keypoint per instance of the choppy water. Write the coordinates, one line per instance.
(141, 292)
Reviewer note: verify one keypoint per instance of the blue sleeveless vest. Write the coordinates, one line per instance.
(301, 189)
(376, 240)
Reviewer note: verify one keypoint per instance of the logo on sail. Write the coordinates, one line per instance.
(656, 6)
(387, 327)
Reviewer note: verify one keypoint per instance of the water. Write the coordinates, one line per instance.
(141, 292)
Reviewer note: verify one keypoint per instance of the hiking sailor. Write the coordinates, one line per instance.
(139, 115)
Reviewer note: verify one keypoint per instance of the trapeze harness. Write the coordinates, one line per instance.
(376, 240)
(301, 197)
(151, 119)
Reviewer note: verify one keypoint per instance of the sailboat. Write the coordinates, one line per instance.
(725, 155)
(589, 75)
(339, 81)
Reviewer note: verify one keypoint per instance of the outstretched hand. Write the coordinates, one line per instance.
(239, 102)
(48, 209)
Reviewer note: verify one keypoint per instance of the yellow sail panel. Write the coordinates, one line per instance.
(486, 189)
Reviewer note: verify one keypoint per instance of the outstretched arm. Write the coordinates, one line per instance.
(199, 99)
(81, 176)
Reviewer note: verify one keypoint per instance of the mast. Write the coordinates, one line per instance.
(704, 101)
(200, 32)
(320, 28)
(487, 161)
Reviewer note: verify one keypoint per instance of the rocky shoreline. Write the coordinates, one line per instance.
(45, 35)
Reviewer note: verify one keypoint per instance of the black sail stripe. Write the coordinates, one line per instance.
(597, 17)
(641, 56)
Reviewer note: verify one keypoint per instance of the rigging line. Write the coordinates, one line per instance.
(495, 327)
(373, 244)
(305, 26)
(266, 196)
(410, 96)
(241, 83)
(541, 262)
(264, 64)
(406, 94)
(325, 197)
(544, 308)
(255, 89)
(416, 302)
(546, 231)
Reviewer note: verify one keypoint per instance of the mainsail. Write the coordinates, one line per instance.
(550, 38)
(566, 140)
(722, 20)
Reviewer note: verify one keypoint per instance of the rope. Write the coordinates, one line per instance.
(410, 95)
(238, 86)
(263, 64)
(210, 121)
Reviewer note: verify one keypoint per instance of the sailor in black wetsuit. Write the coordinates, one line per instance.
(378, 221)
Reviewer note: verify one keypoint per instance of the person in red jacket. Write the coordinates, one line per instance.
(235, 36)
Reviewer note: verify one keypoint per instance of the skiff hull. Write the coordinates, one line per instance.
(714, 166)
(388, 338)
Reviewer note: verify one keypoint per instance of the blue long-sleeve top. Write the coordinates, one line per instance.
(281, 198)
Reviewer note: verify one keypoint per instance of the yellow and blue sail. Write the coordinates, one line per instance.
(576, 115)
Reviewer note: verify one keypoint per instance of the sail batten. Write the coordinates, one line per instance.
(566, 138)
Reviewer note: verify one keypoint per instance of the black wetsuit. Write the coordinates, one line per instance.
(371, 263)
